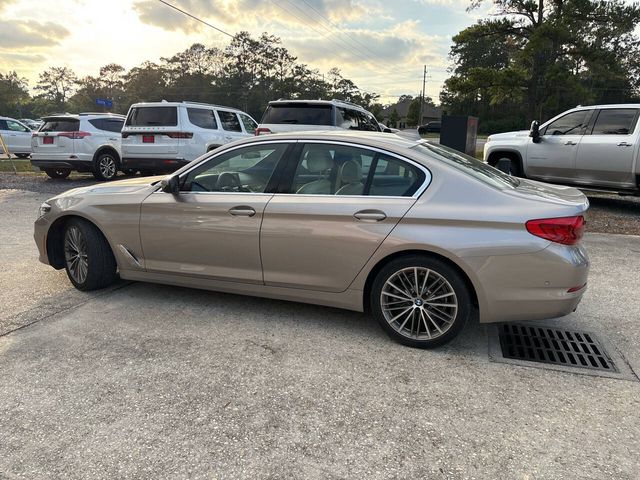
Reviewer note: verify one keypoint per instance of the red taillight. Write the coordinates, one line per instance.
(74, 135)
(577, 289)
(262, 130)
(564, 230)
(148, 139)
(179, 134)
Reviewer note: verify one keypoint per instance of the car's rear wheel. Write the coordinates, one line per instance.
(89, 261)
(105, 166)
(420, 301)
(57, 172)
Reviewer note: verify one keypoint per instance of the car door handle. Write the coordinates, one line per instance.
(370, 215)
(114, 139)
(571, 143)
(242, 211)
(625, 144)
(228, 138)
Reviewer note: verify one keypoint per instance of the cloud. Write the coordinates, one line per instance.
(20, 34)
(234, 15)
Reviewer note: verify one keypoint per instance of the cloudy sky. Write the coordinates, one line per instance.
(380, 44)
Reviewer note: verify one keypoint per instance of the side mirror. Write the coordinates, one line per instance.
(534, 132)
(387, 130)
(170, 184)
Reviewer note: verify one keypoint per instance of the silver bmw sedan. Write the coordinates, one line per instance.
(421, 236)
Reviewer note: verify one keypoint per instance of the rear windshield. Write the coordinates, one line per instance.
(107, 124)
(467, 164)
(60, 125)
(153, 117)
(298, 114)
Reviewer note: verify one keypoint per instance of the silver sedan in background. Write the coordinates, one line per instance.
(421, 236)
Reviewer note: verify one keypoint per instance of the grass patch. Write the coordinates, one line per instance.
(21, 165)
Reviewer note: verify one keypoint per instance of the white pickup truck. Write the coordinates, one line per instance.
(594, 147)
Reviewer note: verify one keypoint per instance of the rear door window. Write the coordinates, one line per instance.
(229, 121)
(107, 124)
(298, 114)
(203, 118)
(249, 124)
(330, 169)
(16, 127)
(153, 117)
(3, 125)
(60, 125)
(615, 122)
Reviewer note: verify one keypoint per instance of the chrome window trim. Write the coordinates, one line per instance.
(419, 191)
(416, 195)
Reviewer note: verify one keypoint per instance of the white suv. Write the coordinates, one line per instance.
(88, 142)
(303, 115)
(16, 136)
(164, 136)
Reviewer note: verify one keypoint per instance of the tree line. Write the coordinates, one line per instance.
(246, 74)
(533, 59)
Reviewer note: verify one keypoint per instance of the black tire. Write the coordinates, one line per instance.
(443, 270)
(57, 172)
(105, 167)
(509, 166)
(22, 155)
(99, 260)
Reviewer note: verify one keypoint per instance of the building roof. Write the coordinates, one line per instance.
(403, 109)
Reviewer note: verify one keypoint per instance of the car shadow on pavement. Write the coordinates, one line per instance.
(264, 317)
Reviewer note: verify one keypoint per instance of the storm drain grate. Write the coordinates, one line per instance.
(551, 345)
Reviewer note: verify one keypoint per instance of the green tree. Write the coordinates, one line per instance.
(536, 58)
(413, 114)
(57, 84)
(393, 118)
(14, 94)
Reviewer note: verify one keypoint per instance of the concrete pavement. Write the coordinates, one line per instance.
(150, 381)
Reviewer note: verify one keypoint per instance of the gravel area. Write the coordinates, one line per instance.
(609, 213)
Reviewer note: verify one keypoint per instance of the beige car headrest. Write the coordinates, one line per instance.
(350, 172)
(319, 160)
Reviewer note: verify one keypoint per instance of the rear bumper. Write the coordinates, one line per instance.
(533, 286)
(81, 165)
(154, 164)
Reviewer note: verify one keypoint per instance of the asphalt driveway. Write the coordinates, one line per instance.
(150, 381)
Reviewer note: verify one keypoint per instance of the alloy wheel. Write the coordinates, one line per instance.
(75, 253)
(419, 303)
(107, 166)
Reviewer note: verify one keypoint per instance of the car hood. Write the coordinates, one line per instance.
(557, 194)
(130, 185)
(509, 135)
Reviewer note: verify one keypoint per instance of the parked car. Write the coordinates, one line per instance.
(594, 147)
(304, 115)
(163, 136)
(16, 136)
(32, 124)
(431, 127)
(418, 234)
(87, 142)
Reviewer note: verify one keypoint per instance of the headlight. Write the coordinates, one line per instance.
(44, 209)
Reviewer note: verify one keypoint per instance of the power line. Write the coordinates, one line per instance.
(195, 18)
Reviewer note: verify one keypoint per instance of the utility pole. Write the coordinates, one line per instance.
(424, 81)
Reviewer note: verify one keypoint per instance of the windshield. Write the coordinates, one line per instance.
(467, 164)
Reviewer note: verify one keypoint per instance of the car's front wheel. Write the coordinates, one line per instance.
(89, 261)
(420, 301)
(57, 172)
(105, 167)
